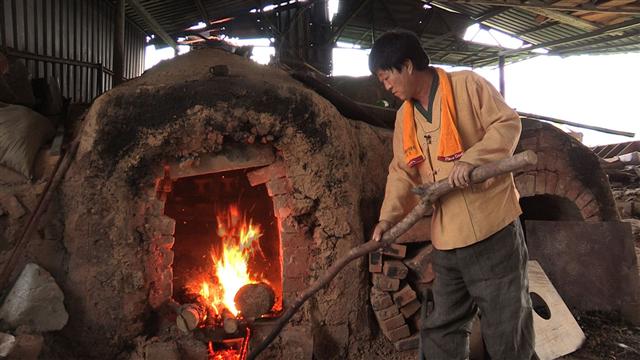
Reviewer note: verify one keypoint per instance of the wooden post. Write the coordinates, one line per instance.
(118, 45)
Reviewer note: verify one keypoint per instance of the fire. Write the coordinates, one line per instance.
(231, 267)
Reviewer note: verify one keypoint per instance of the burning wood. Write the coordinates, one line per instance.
(229, 322)
(255, 300)
(190, 316)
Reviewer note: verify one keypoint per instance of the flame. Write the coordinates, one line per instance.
(231, 268)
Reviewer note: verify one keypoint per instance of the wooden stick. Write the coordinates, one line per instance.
(43, 204)
(429, 194)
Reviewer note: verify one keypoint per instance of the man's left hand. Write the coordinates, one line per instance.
(460, 174)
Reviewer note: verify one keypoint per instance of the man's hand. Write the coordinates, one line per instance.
(460, 174)
(380, 229)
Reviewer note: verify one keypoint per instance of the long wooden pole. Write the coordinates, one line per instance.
(428, 193)
(43, 204)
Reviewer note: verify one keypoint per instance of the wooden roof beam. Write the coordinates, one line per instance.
(203, 12)
(623, 9)
(564, 18)
(152, 23)
(343, 25)
(611, 29)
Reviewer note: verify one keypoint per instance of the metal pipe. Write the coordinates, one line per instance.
(571, 123)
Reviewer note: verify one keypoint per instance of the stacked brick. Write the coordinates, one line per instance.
(395, 276)
(567, 170)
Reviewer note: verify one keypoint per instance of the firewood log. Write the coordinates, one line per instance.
(190, 316)
(255, 300)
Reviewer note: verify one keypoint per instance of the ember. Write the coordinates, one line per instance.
(230, 349)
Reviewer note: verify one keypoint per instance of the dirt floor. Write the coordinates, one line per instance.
(608, 337)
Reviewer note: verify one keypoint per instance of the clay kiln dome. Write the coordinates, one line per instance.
(180, 115)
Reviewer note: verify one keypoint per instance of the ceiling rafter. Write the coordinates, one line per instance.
(356, 10)
(203, 12)
(564, 18)
(152, 23)
(611, 29)
(479, 19)
(623, 9)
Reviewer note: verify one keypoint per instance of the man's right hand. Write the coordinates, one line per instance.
(380, 229)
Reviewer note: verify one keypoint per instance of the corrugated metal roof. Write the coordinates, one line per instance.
(441, 24)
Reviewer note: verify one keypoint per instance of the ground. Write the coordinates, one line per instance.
(608, 338)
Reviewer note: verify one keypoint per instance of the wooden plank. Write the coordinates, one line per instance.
(557, 332)
(580, 23)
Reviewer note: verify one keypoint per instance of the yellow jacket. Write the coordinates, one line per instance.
(489, 130)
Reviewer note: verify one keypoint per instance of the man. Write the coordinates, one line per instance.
(449, 124)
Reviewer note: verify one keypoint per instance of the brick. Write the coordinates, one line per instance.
(293, 241)
(395, 269)
(528, 143)
(375, 262)
(543, 159)
(288, 225)
(411, 308)
(550, 139)
(397, 334)
(404, 296)
(594, 218)
(380, 299)
(293, 285)
(155, 207)
(563, 184)
(281, 206)
(167, 257)
(420, 264)
(555, 162)
(584, 198)
(296, 262)
(279, 187)
(165, 241)
(385, 283)
(410, 343)
(525, 184)
(395, 251)
(162, 225)
(387, 313)
(392, 323)
(262, 175)
(540, 182)
(591, 209)
(552, 181)
(574, 189)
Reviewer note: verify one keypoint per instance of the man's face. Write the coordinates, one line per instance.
(397, 82)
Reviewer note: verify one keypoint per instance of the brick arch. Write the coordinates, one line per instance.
(566, 169)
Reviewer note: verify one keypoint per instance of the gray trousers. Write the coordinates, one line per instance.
(490, 276)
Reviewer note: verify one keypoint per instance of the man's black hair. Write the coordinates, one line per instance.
(392, 48)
